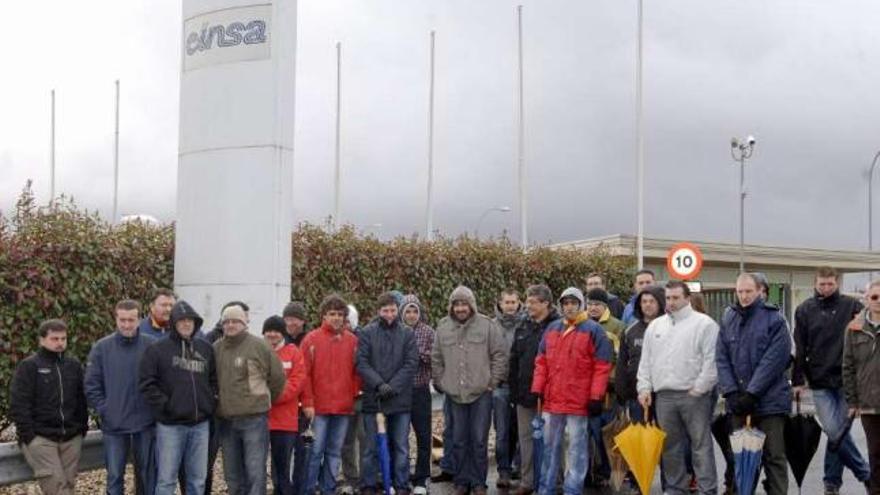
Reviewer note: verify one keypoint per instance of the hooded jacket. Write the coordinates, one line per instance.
(469, 357)
(178, 377)
(626, 372)
(111, 383)
(573, 363)
(752, 353)
(146, 327)
(387, 354)
(424, 336)
(249, 375)
(522, 358)
(47, 398)
(819, 327)
(861, 365)
(332, 381)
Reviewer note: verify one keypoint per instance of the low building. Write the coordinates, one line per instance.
(791, 270)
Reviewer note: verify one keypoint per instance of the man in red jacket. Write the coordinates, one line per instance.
(571, 374)
(330, 388)
(283, 417)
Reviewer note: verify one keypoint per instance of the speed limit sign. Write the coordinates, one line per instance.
(684, 261)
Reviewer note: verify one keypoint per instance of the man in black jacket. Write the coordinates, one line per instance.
(539, 304)
(387, 359)
(178, 378)
(48, 407)
(648, 304)
(820, 324)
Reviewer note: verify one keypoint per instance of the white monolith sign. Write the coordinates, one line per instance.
(236, 156)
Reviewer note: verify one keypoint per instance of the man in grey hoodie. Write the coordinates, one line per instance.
(469, 361)
(509, 315)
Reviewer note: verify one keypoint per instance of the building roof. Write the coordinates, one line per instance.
(719, 253)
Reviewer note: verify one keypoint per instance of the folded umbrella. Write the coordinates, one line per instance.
(747, 444)
(802, 434)
(641, 446)
(384, 453)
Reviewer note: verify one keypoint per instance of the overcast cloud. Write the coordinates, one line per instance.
(802, 76)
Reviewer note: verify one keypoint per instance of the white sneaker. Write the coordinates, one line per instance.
(420, 490)
(346, 490)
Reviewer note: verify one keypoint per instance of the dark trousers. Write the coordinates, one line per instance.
(470, 441)
(281, 445)
(420, 416)
(300, 468)
(773, 460)
(871, 423)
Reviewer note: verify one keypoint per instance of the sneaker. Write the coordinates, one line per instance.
(443, 477)
(832, 490)
(503, 481)
(420, 490)
(346, 490)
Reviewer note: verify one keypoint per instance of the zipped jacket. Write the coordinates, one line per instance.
(861, 366)
(47, 398)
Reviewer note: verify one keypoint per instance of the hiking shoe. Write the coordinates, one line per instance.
(443, 477)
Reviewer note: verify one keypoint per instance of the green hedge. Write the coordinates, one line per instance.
(60, 261)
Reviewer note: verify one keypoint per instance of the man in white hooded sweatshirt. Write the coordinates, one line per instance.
(678, 365)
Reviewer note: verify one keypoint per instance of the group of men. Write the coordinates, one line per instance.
(172, 395)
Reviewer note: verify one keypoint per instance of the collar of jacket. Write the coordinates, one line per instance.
(157, 326)
(329, 330)
(605, 315)
(46, 353)
(383, 323)
(580, 318)
(126, 340)
(552, 315)
(862, 324)
(827, 300)
(681, 314)
(234, 340)
(749, 310)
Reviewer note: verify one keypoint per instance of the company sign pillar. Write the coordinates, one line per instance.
(235, 165)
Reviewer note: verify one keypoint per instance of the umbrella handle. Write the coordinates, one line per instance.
(797, 403)
(749, 421)
(647, 411)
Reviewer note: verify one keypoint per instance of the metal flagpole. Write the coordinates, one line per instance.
(640, 145)
(523, 209)
(116, 160)
(337, 188)
(429, 213)
(52, 150)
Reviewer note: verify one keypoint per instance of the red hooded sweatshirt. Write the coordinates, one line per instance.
(285, 410)
(332, 381)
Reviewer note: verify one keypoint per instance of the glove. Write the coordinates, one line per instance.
(594, 408)
(385, 391)
(744, 404)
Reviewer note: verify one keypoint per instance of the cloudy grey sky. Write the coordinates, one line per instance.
(800, 75)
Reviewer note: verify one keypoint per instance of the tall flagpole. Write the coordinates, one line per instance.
(429, 213)
(640, 145)
(116, 160)
(523, 211)
(52, 149)
(337, 189)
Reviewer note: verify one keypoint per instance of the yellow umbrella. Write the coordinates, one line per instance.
(641, 446)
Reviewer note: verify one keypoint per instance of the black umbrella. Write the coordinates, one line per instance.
(802, 433)
(721, 430)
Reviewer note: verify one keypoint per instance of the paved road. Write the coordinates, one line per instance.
(812, 482)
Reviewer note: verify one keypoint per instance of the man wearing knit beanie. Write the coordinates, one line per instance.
(294, 315)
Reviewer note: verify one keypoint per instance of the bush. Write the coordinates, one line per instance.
(59, 261)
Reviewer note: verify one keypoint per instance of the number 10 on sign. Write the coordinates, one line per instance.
(684, 261)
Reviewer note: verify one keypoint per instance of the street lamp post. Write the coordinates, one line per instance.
(740, 151)
(503, 209)
(871, 202)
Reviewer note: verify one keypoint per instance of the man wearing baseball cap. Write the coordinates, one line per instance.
(250, 378)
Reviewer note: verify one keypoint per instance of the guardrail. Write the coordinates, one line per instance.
(14, 469)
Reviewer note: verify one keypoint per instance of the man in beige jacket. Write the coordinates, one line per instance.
(468, 361)
(250, 377)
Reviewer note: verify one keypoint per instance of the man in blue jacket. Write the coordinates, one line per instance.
(752, 354)
(111, 387)
(387, 359)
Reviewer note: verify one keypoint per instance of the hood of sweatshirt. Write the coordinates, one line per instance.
(182, 310)
(659, 294)
(462, 293)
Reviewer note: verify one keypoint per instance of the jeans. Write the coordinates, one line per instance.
(501, 420)
(447, 463)
(352, 446)
(176, 443)
(687, 418)
(831, 410)
(300, 469)
(773, 460)
(471, 440)
(213, 449)
(281, 447)
(397, 435)
(329, 431)
(596, 423)
(556, 427)
(245, 444)
(116, 449)
(420, 416)
(524, 416)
